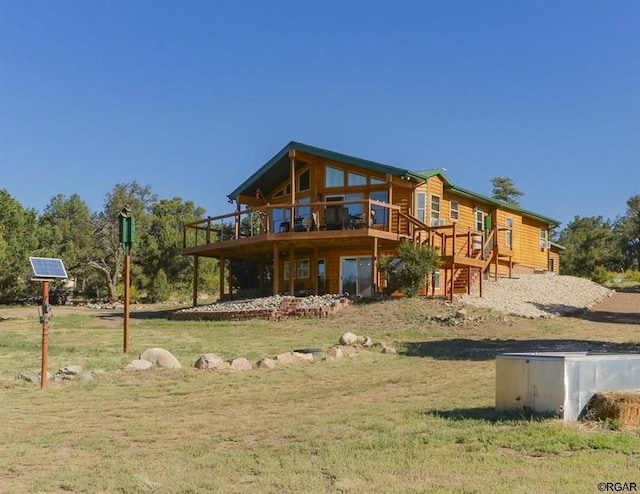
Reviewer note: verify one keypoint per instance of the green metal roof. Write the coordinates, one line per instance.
(276, 170)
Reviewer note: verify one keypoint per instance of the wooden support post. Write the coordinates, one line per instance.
(453, 267)
(196, 266)
(496, 267)
(237, 221)
(374, 267)
(481, 276)
(292, 174)
(468, 280)
(276, 269)
(314, 270)
(127, 287)
(45, 334)
(292, 270)
(221, 268)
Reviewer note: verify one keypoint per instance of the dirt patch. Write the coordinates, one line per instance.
(623, 306)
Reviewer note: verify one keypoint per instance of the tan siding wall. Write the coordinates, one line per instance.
(530, 253)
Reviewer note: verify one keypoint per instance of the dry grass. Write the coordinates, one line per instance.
(372, 423)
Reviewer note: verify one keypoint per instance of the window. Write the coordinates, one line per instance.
(354, 208)
(380, 212)
(285, 267)
(479, 213)
(454, 212)
(302, 211)
(435, 207)
(508, 234)
(377, 181)
(421, 206)
(334, 177)
(355, 179)
(544, 244)
(321, 271)
(435, 280)
(303, 268)
(280, 219)
(304, 181)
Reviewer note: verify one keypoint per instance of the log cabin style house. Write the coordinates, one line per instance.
(314, 221)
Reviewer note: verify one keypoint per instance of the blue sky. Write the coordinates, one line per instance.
(191, 97)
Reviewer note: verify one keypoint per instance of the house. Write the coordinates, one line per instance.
(314, 221)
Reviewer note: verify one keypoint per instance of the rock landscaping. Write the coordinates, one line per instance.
(160, 358)
(274, 308)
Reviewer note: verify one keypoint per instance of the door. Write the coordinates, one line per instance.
(355, 276)
(477, 241)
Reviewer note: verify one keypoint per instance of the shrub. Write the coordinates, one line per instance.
(600, 275)
(408, 270)
(160, 288)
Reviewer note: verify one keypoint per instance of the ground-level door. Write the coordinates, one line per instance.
(356, 276)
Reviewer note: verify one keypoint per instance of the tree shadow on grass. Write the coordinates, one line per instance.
(488, 414)
(487, 349)
(589, 315)
(143, 314)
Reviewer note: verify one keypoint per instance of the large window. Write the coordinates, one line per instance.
(280, 219)
(304, 181)
(355, 179)
(380, 212)
(334, 177)
(302, 211)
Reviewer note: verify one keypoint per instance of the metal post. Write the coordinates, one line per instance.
(45, 334)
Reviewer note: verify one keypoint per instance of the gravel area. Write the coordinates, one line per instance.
(538, 295)
(264, 303)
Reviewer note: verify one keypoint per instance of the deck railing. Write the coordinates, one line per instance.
(276, 218)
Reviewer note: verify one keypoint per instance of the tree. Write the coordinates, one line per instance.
(160, 289)
(18, 241)
(66, 231)
(108, 258)
(505, 190)
(628, 231)
(161, 248)
(407, 271)
(589, 242)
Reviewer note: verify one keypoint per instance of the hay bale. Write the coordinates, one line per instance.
(623, 406)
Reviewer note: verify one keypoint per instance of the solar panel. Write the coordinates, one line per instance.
(47, 268)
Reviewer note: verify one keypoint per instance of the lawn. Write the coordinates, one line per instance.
(421, 420)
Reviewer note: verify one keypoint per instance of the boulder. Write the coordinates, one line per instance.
(241, 364)
(211, 361)
(367, 342)
(388, 349)
(160, 357)
(348, 350)
(348, 339)
(71, 370)
(334, 352)
(285, 358)
(138, 364)
(307, 357)
(266, 363)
